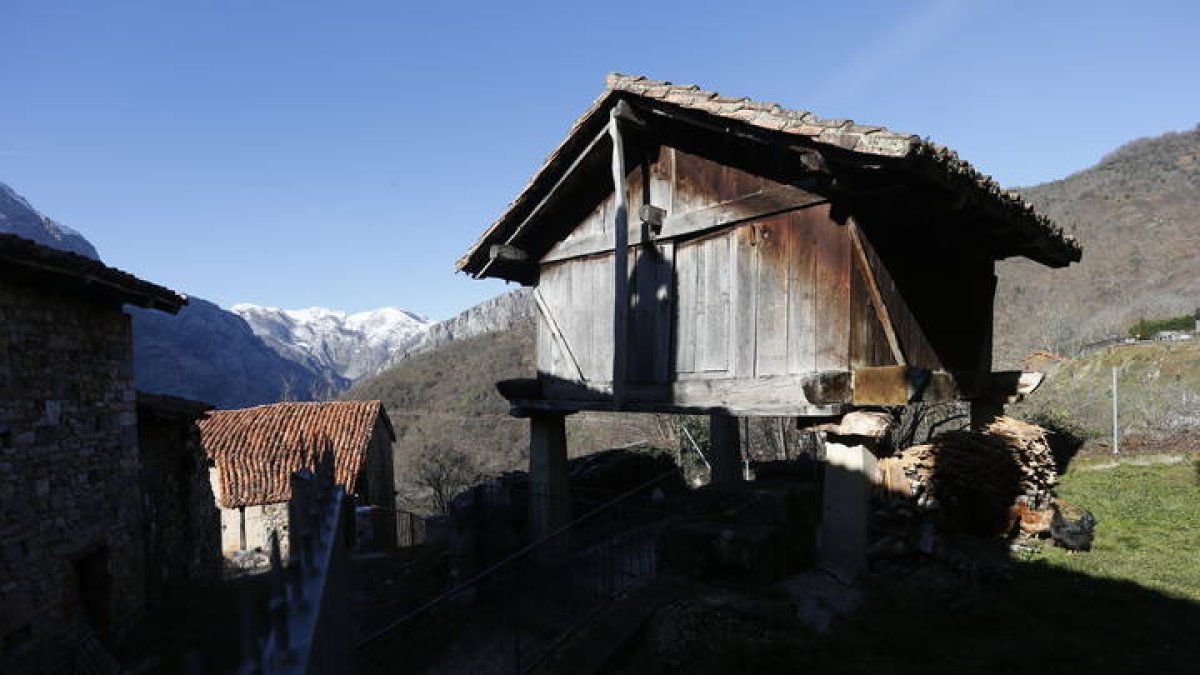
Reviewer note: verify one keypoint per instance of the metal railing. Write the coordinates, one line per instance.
(510, 616)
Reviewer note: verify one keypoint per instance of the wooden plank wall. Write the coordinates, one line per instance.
(586, 326)
(787, 308)
(653, 265)
(779, 295)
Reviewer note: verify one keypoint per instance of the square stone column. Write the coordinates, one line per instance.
(842, 543)
(550, 490)
(846, 507)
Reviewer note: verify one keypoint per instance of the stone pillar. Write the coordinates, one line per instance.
(550, 494)
(846, 507)
(726, 443)
(842, 547)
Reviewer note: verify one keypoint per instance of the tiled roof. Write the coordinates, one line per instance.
(256, 450)
(29, 262)
(842, 133)
(859, 138)
(921, 155)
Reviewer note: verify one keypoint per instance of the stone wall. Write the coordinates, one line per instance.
(260, 522)
(70, 541)
(181, 525)
(379, 489)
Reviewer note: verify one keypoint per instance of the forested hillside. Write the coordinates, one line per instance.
(449, 418)
(1137, 214)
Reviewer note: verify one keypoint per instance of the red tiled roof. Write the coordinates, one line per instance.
(256, 450)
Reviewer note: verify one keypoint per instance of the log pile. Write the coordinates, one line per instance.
(1033, 456)
(967, 482)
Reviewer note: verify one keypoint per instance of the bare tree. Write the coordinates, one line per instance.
(444, 471)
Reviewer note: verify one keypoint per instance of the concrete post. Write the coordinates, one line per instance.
(842, 548)
(550, 493)
(726, 443)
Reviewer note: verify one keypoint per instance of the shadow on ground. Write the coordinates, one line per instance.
(935, 620)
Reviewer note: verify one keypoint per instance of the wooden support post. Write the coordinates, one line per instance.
(843, 539)
(984, 410)
(620, 261)
(725, 441)
(550, 494)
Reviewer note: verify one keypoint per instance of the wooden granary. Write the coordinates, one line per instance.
(754, 260)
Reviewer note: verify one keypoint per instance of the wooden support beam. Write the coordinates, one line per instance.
(533, 213)
(807, 156)
(557, 335)
(508, 253)
(881, 385)
(750, 207)
(831, 387)
(652, 216)
(620, 258)
(999, 388)
(725, 440)
(881, 309)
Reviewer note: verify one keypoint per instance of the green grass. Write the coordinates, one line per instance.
(1149, 531)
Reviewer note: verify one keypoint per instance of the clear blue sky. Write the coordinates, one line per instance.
(344, 154)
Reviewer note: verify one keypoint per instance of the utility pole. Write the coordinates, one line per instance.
(1116, 448)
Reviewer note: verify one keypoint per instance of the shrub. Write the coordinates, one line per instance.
(1148, 327)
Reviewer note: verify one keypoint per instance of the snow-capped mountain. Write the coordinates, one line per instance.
(210, 354)
(254, 354)
(19, 218)
(351, 346)
(204, 353)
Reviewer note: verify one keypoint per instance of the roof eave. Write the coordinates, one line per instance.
(476, 258)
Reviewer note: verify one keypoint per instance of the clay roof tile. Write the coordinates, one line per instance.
(256, 450)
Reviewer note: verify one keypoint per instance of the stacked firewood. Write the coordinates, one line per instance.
(1034, 459)
(972, 482)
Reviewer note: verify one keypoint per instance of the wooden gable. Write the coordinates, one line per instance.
(748, 278)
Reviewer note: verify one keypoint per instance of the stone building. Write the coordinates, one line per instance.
(181, 525)
(255, 451)
(71, 549)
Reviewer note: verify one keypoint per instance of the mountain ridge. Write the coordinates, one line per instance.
(1137, 214)
(351, 346)
(17, 216)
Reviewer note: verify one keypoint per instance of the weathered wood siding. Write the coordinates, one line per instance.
(764, 298)
(749, 279)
